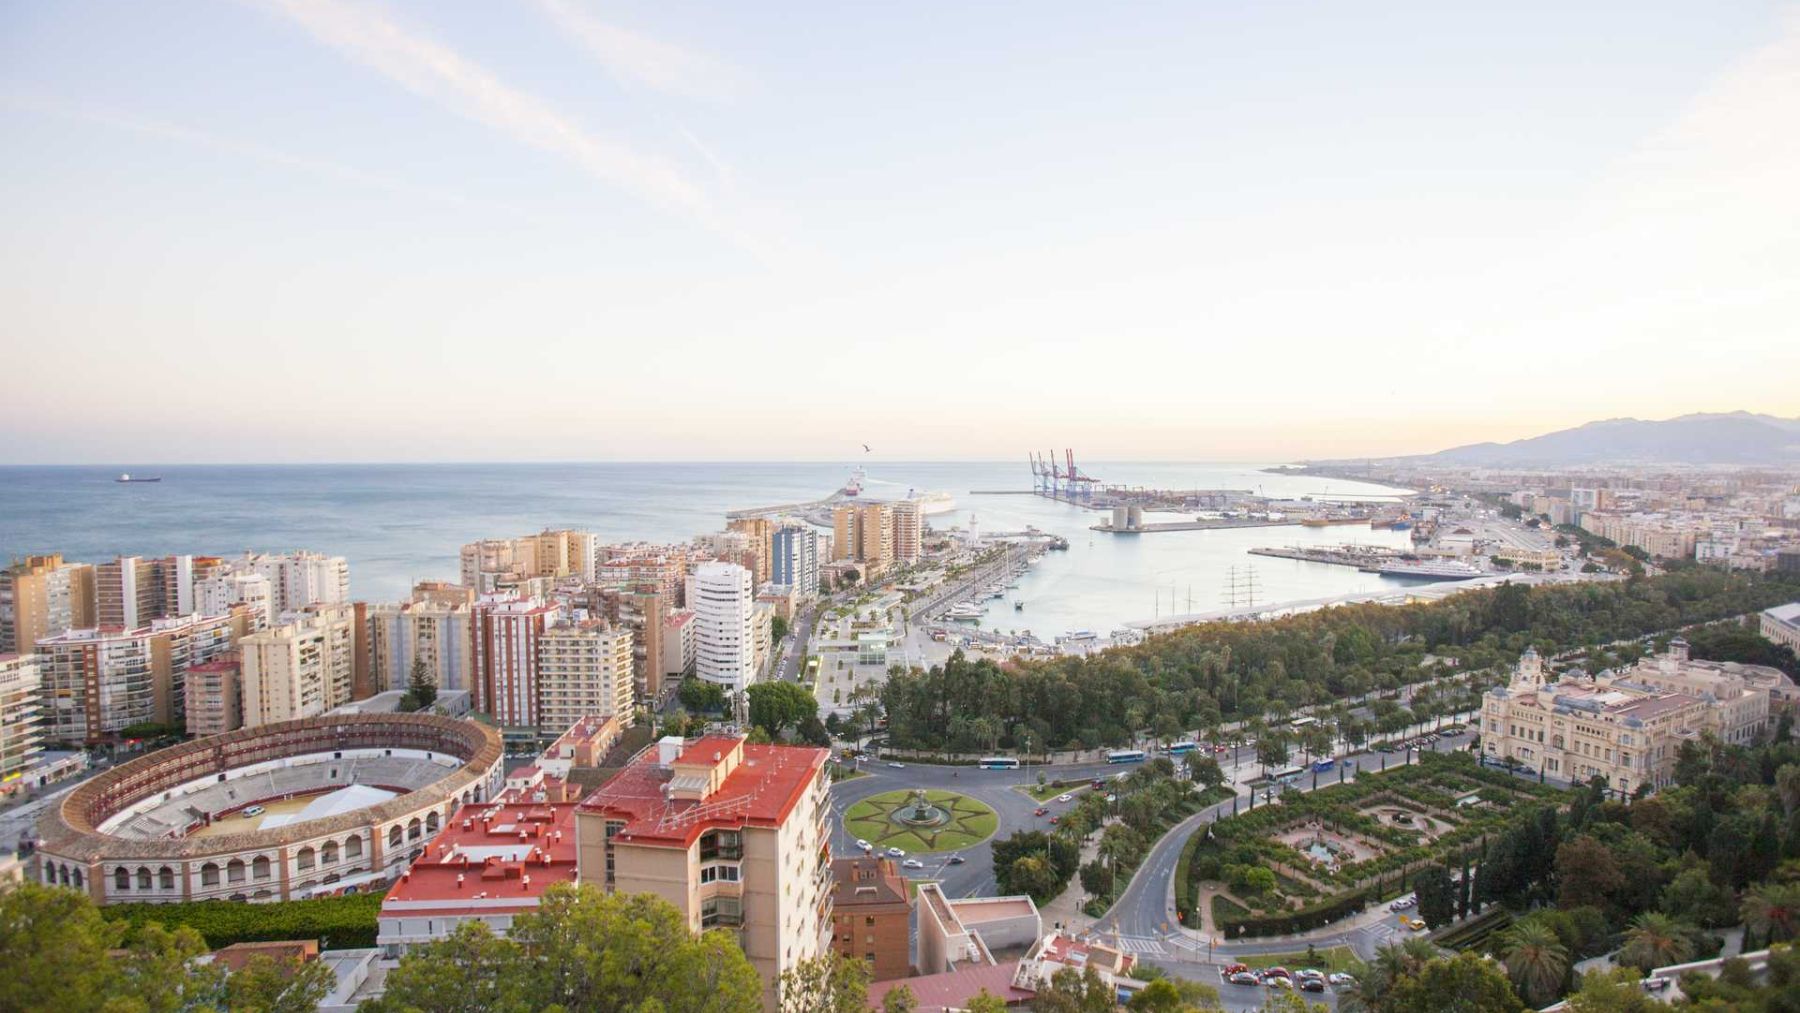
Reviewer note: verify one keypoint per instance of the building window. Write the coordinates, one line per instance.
(721, 845)
(259, 867)
(353, 847)
(209, 875)
(165, 878)
(121, 879)
(305, 859)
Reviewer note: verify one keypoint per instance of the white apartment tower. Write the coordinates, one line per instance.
(724, 607)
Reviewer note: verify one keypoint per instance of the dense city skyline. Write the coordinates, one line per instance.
(1230, 233)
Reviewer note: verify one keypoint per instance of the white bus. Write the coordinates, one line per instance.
(1304, 722)
(1125, 756)
(998, 763)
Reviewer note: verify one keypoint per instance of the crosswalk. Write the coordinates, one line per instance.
(1143, 945)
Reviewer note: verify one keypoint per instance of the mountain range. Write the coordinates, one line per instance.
(1724, 438)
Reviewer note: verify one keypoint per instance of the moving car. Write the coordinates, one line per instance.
(865, 845)
(1039, 811)
(1404, 903)
(912, 863)
(896, 764)
(957, 859)
(896, 853)
(1416, 924)
(1056, 819)
(1065, 797)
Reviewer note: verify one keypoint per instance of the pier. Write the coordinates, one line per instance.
(1202, 524)
(1367, 558)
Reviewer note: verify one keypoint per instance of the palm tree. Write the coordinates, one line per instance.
(1656, 940)
(1772, 911)
(1536, 960)
(1376, 978)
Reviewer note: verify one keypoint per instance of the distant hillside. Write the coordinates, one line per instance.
(1738, 438)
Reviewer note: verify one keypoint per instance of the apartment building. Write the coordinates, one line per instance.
(1623, 727)
(864, 533)
(21, 737)
(662, 569)
(493, 564)
(724, 607)
(297, 579)
(907, 519)
(127, 592)
(794, 559)
(214, 690)
(733, 835)
(759, 534)
(431, 630)
(216, 593)
(99, 681)
(41, 596)
(584, 668)
(301, 668)
(507, 632)
(678, 643)
(871, 915)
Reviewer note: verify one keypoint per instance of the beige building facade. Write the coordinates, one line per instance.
(42, 596)
(300, 669)
(584, 669)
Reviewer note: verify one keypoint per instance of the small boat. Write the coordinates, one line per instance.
(1018, 606)
(126, 477)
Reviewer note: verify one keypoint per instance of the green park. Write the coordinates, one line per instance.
(921, 821)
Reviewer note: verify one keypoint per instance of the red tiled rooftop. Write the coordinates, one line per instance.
(490, 858)
(759, 792)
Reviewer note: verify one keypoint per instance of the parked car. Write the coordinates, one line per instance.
(1309, 972)
(896, 853)
(912, 863)
(1243, 978)
(1340, 978)
(1656, 984)
(1279, 981)
(1235, 968)
(1312, 984)
(1275, 972)
(865, 845)
(1065, 797)
(254, 810)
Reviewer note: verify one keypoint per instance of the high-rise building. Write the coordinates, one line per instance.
(20, 734)
(678, 643)
(908, 521)
(214, 689)
(298, 579)
(724, 608)
(428, 630)
(865, 533)
(216, 593)
(733, 835)
(642, 610)
(663, 569)
(794, 559)
(301, 668)
(98, 682)
(41, 596)
(496, 563)
(507, 632)
(758, 531)
(584, 668)
(127, 592)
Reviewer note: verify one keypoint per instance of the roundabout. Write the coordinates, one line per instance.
(917, 820)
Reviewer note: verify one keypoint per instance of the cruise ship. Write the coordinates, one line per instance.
(934, 502)
(1430, 569)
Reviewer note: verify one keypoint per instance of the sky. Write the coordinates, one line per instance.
(343, 230)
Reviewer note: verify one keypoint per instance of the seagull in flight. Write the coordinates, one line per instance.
(866, 449)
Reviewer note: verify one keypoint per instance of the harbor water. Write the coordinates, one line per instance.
(401, 523)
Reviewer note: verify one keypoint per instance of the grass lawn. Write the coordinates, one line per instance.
(1337, 958)
(1044, 793)
(971, 822)
(1224, 907)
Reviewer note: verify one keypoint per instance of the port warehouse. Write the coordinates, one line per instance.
(155, 829)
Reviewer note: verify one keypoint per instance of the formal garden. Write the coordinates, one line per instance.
(1315, 857)
(921, 821)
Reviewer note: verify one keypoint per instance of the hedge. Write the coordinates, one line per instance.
(1299, 920)
(342, 923)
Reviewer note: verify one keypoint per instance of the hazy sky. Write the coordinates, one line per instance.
(574, 229)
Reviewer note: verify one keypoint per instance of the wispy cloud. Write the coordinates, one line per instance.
(634, 58)
(321, 168)
(436, 72)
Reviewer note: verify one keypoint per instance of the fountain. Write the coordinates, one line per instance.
(920, 813)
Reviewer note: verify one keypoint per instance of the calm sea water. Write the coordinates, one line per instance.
(401, 523)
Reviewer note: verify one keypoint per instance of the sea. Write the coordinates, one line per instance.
(400, 523)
